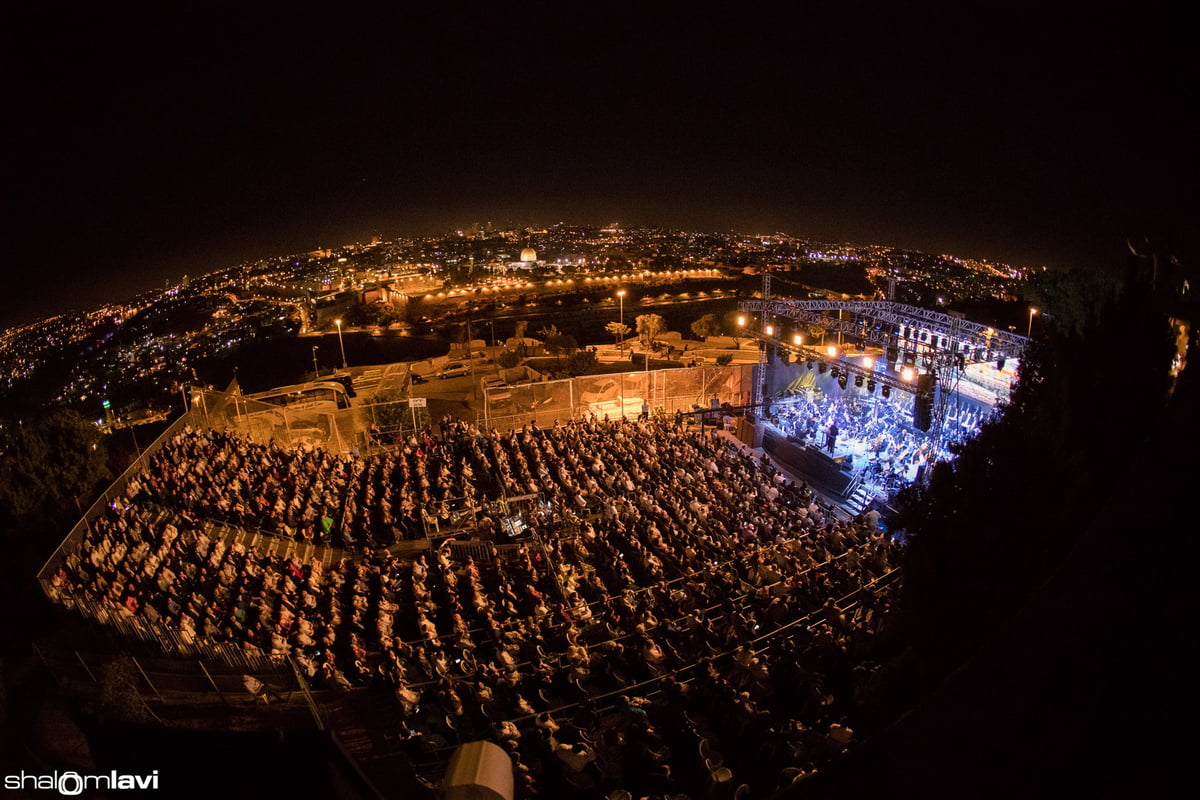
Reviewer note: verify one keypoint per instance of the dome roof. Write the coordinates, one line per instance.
(529, 254)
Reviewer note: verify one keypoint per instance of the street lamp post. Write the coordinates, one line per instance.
(621, 299)
(1029, 330)
(341, 344)
(316, 369)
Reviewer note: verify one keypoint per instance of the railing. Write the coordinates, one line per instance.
(115, 489)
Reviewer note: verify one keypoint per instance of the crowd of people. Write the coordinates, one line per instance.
(693, 619)
(878, 429)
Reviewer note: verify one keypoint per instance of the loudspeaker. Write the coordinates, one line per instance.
(923, 403)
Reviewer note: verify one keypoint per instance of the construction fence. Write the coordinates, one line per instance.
(368, 426)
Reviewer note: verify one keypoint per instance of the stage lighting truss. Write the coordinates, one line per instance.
(946, 341)
(844, 368)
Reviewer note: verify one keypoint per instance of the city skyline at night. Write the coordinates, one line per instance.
(984, 132)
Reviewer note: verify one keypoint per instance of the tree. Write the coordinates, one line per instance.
(1045, 462)
(558, 343)
(581, 362)
(1073, 298)
(48, 463)
(650, 327)
(706, 326)
(508, 359)
(725, 359)
(618, 330)
(390, 411)
(120, 699)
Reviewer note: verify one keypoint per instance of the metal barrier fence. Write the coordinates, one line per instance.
(307, 423)
(368, 427)
(169, 639)
(115, 490)
(625, 394)
(483, 552)
(164, 677)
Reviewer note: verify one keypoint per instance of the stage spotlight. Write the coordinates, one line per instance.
(842, 380)
(1000, 363)
(907, 374)
(870, 387)
(810, 365)
(886, 391)
(821, 368)
(833, 373)
(868, 362)
(858, 380)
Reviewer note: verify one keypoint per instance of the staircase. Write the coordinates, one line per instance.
(859, 494)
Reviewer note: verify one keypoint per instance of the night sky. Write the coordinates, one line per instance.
(155, 142)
